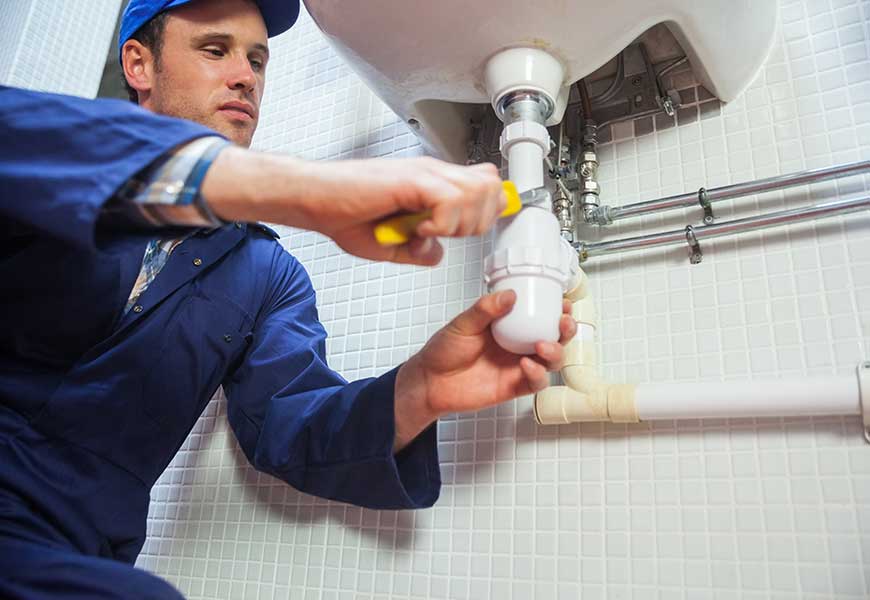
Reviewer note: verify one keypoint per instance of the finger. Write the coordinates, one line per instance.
(567, 329)
(474, 203)
(535, 374)
(444, 221)
(567, 306)
(491, 210)
(470, 214)
(494, 204)
(476, 319)
(426, 252)
(501, 199)
(485, 167)
(482, 190)
(425, 190)
(438, 194)
(551, 354)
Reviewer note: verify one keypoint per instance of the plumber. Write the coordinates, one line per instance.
(135, 279)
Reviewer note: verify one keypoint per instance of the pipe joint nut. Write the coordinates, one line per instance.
(589, 187)
(524, 131)
(530, 260)
(601, 216)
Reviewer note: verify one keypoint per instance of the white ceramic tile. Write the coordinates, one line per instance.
(57, 46)
(13, 24)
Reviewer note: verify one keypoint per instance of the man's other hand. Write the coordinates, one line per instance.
(461, 368)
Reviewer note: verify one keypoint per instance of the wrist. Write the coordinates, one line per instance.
(413, 411)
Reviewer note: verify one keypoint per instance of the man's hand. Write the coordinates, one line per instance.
(346, 199)
(461, 368)
(357, 195)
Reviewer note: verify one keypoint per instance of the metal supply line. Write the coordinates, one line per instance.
(605, 215)
(692, 236)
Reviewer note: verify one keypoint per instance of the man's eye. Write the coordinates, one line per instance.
(257, 65)
(215, 51)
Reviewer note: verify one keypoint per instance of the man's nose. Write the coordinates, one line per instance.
(241, 75)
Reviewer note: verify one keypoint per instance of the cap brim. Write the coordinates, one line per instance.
(279, 15)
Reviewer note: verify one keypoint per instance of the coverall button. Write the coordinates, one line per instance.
(238, 225)
(228, 338)
(137, 308)
(197, 262)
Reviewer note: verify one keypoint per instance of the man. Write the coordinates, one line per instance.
(112, 341)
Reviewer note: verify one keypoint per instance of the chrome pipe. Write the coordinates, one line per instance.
(523, 105)
(608, 214)
(738, 226)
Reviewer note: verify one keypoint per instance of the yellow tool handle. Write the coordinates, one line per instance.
(400, 229)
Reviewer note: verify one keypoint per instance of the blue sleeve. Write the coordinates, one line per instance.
(300, 421)
(63, 157)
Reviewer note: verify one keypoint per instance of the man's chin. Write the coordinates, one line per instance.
(239, 133)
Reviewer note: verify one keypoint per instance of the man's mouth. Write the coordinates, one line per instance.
(238, 110)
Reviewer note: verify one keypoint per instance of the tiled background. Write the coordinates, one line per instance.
(776, 508)
(55, 45)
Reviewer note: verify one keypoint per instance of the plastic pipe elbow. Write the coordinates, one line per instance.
(579, 369)
(580, 366)
(585, 397)
(579, 288)
(584, 312)
(559, 405)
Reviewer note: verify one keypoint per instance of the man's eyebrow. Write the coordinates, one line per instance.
(262, 48)
(218, 36)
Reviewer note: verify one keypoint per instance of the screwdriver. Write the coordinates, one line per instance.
(398, 230)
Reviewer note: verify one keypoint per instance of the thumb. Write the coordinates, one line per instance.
(476, 319)
(425, 252)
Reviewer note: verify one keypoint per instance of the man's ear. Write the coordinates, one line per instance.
(137, 62)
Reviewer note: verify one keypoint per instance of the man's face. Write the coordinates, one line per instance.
(212, 67)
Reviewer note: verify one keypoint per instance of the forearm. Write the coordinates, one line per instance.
(209, 182)
(243, 185)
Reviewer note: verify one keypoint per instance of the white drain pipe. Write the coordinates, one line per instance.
(771, 398)
(529, 256)
(585, 397)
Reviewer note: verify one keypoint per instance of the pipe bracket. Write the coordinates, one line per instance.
(864, 393)
(695, 253)
(704, 201)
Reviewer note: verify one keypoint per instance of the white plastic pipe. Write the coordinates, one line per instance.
(585, 397)
(525, 259)
(526, 165)
(793, 397)
(529, 256)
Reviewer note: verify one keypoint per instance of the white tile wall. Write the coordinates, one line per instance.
(753, 509)
(13, 22)
(775, 508)
(56, 45)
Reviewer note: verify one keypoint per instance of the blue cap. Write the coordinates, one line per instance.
(279, 15)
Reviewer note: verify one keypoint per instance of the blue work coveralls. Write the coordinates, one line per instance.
(94, 403)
